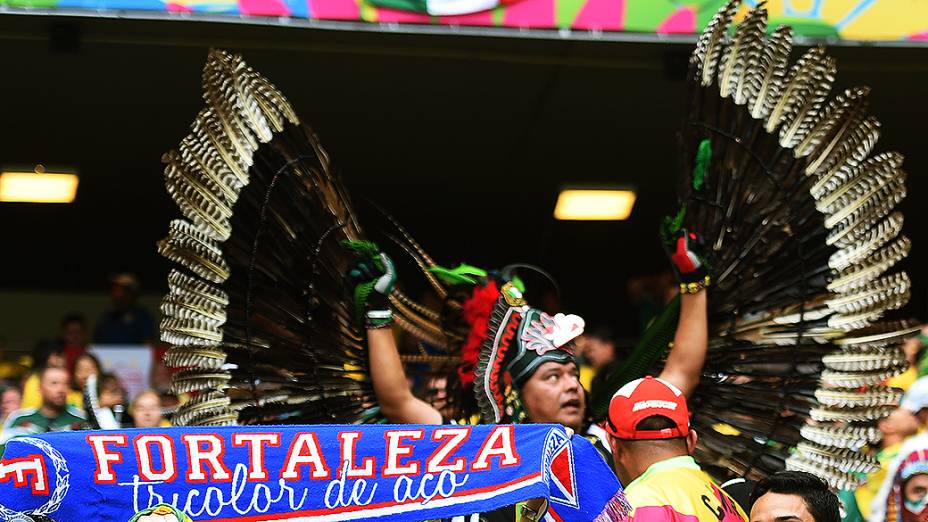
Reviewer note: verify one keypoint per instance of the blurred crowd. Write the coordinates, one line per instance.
(64, 384)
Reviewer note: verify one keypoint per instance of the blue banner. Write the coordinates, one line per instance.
(306, 473)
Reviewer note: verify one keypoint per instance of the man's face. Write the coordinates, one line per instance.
(900, 422)
(54, 388)
(11, 401)
(599, 352)
(915, 492)
(553, 394)
(778, 507)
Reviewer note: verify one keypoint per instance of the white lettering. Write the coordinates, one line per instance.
(654, 403)
(501, 443)
(168, 471)
(104, 457)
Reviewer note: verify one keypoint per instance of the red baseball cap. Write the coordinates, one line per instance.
(643, 398)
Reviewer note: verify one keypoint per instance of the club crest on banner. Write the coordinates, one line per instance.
(32, 472)
(560, 469)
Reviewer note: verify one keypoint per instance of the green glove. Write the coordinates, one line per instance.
(374, 275)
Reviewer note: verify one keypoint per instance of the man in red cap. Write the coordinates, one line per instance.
(651, 441)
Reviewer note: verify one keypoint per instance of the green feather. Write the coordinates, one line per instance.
(671, 224)
(365, 248)
(703, 158)
(462, 274)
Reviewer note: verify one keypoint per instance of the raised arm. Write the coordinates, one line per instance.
(375, 277)
(397, 403)
(688, 355)
(686, 358)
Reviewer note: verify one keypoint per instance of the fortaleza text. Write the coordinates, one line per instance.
(254, 482)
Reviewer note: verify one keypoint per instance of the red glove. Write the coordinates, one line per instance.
(687, 257)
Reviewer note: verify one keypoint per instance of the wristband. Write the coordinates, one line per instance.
(378, 319)
(695, 287)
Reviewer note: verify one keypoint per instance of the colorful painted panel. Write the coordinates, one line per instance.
(886, 20)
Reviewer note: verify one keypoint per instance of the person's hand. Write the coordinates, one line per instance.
(375, 276)
(914, 345)
(687, 255)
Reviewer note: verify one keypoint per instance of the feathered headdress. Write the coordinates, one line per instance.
(519, 340)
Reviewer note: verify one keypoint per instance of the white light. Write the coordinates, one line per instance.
(35, 187)
(594, 205)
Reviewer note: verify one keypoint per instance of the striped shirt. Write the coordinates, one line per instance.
(31, 421)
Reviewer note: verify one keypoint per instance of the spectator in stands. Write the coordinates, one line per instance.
(651, 439)
(73, 337)
(146, 410)
(600, 347)
(10, 400)
(895, 428)
(597, 348)
(908, 496)
(107, 409)
(45, 355)
(85, 366)
(915, 401)
(110, 391)
(54, 413)
(793, 496)
(915, 355)
(125, 322)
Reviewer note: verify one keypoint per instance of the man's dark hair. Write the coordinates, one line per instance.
(676, 445)
(107, 379)
(45, 369)
(42, 351)
(655, 423)
(821, 503)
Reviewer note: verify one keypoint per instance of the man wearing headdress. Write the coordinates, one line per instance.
(537, 378)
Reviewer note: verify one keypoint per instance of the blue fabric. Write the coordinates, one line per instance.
(303, 472)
